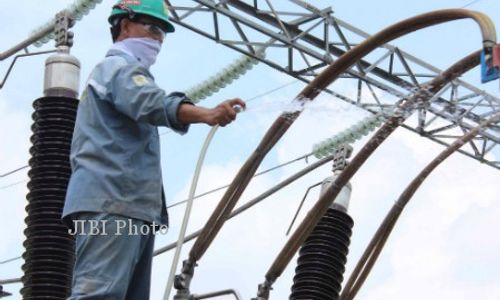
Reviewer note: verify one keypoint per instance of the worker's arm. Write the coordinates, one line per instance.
(222, 114)
(135, 94)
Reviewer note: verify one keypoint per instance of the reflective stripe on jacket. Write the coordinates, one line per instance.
(115, 152)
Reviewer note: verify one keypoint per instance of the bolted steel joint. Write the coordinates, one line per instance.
(63, 22)
(182, 282)
(264, 290)
(340, 157)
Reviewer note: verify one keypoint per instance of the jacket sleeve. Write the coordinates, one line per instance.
(135, 94)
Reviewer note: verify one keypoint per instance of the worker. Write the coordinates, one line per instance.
(115, 190)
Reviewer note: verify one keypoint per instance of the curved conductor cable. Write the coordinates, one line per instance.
(187, 213)
(374, 248)
(282, 123)
(390, 125)
(418, 22)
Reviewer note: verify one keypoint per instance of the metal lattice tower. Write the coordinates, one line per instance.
(304, 39)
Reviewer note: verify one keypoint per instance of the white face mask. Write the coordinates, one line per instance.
(144, 49)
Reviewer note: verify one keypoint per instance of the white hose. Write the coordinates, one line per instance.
(187, 213)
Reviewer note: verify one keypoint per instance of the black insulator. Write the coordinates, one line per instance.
(49, 248)
(322, 258)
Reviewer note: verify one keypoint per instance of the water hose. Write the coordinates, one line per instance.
(187, 212)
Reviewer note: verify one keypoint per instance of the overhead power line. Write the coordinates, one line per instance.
(13, 171)
(255, 97)
(13, 184)
(10, 260)
(470, 3)
(273, 90)
(257, 174)
(305, 156)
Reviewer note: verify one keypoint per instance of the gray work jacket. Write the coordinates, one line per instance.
(115, 152)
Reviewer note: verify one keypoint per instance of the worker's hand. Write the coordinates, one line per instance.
(225, 112)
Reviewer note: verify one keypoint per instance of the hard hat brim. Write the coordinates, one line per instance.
(169, 27)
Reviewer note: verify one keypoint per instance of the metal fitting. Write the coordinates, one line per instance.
(264, 290)
(341, 202)
(62, 74)
(340, 157)
(219, 293)
(182, 282)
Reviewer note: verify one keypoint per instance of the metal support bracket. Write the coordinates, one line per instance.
(15, 60)
(340, 157)
(4, 293)
(264, 290)
(64, 22)
(236, 295)
(182, 282)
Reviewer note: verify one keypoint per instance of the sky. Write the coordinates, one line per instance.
(443, 247)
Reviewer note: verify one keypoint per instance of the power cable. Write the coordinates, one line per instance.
(272, 90)
(13, 171)
(305, 156)
(10, 260)
(255, 201)
(377, 243)
(470, 3)
(256, 175)
(13, 184)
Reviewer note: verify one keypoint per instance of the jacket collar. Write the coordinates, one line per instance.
(129, 58)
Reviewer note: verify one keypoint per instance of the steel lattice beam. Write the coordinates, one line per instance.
(303, 39)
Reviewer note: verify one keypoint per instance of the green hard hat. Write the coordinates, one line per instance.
(154, 8)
